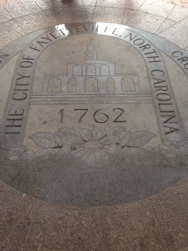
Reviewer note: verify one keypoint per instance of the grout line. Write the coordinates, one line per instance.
(165, 19)
(96, 5)
(8, 12)
(123, 14)
(100, 229)
(28, 210)
(136, 10)
(34, 214)
(50, 19)
(10, 27)
(175, 22)
(85, 10)
(141, 5)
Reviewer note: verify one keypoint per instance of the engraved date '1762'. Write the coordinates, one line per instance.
(99, 116)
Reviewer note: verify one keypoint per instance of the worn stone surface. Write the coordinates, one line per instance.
(75, 125)
(94, 137)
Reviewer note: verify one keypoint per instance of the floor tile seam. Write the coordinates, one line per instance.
(165, 28)
(183, 20)
(159, 227)
(34, 215)
(2, 8)
(6, 20)
(161, 1)
(129, 18)
(178, 20)
(28, 210)
(8, 4)
(90, 5)
(146, 12)
(58, 15)
(88, 229)
(94, 10)
(38, 5)
(30, 14)
(66, 6)
(18, 23)
(136, 10)
(154, 31)
(74, 8)
(42, 10)
(87, 12)
(182, 24)
(170, 219)
(154, 15)
(9, 12)
(141, 4)
(10, 27)
(175, 23)
(124, 12)
(165, 19)
(46, 15)
(182, 201)
(62, 6)
(100, 228)
(130, 9)
(109, 7)
(123, 15)
(23, 15)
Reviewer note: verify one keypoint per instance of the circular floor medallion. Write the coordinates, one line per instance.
(93, 114)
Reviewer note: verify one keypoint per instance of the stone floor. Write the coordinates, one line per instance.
(183, 3)
(19, 17)
(159, 223)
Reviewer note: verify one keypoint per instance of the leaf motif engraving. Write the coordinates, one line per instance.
(118, 131)
(86, 134)
(125, 139)
(98, 133)
(44, 139)
(140, 138)
(68, 131)
(66, 136)
(122, 134)
(58, 139)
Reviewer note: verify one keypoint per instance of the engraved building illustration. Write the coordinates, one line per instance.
(90, 78)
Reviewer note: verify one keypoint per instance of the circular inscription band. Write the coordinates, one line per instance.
(93, 114)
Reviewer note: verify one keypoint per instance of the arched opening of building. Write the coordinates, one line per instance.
(77, 70)
(91, 70)
(54, 85)
(104, 70)
(72, 85)
(91, 85)
(110, 85)
(127, 85)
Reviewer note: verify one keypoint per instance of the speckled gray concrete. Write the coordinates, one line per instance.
(154, 223)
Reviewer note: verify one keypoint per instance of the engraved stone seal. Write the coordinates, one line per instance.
(93, 114)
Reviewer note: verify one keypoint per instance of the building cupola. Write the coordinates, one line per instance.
(91, 53)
